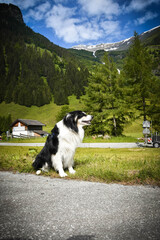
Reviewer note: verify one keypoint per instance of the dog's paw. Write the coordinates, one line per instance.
(72, 171)
(63, 174)
(38, 172)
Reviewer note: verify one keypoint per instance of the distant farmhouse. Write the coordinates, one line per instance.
(27, 128)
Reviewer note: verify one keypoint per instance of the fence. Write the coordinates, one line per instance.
(22, 136)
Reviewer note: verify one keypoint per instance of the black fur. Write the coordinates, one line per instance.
(50, 147)
(71, 120)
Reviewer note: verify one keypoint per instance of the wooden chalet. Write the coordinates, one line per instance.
(27, 128)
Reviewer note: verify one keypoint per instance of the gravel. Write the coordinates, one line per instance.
(43, 208)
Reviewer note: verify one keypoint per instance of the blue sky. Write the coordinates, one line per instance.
(72, 22)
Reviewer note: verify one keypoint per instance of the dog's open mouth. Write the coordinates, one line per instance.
(87, 122)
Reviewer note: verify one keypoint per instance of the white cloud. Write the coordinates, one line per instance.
(61, 1)
(110, 26)
(98, 7)
(38, 13)
(43, 7)
(61, 21)
(111, 30)
(87, 21)
(139, 5)
(145, 18)
(70, 28)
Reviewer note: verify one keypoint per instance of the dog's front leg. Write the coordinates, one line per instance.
(58, 166)
(62, 173)
(71, 170)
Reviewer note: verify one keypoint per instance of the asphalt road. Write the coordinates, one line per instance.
(82, 145)
(41, 208)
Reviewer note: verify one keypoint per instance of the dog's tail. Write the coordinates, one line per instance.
(38, 163)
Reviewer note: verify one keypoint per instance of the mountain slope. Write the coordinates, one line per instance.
(32, 69)
(151, 37)
(93, 55)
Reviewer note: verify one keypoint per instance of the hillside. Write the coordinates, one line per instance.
(151, 37)
(45, 114)
(33, 71)
(93, 54)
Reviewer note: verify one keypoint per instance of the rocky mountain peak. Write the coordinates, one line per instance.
(122, 45)
(11, 11)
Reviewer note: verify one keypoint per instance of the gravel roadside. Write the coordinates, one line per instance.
(41, 208)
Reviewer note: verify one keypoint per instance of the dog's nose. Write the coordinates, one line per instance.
(92, 117)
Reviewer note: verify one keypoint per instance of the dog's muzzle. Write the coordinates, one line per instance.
(88, 122)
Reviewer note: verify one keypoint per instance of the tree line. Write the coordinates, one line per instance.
(30, 76)
(5, 123)
(115, 99)
(32, 69)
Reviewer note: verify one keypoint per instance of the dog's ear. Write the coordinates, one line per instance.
(70, 121)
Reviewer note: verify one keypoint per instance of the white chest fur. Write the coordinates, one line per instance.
(68, 136)
(68, 142)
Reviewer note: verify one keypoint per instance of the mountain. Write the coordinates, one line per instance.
(151, 37)
(11, 21)
(93, 54)
(12, 11)
(33, 70)
(122, 45)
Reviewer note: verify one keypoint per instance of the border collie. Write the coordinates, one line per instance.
(61, 144)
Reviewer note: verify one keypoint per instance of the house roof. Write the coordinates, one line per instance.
(28, 122)
(40, 132)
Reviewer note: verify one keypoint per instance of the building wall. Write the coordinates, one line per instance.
(19, 128)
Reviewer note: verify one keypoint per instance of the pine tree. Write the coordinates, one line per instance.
(60, 93)
(154, 109)
(138, 72)
(5, 123)
(64, 110)
(105, 100)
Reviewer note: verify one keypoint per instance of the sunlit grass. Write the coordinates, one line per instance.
(127, 166)
(92, 139)
(47, 115)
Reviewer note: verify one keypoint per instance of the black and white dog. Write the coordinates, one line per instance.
(60, 146)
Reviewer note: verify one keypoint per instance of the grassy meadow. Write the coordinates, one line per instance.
(47, 115)
(125, 166)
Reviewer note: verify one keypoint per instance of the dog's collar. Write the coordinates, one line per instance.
(53, 135)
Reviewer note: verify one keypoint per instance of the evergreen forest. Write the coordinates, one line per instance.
(117, 98)
(32, 69)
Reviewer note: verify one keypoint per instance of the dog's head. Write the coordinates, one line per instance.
(77, 118)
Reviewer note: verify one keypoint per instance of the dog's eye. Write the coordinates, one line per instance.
(81, 116)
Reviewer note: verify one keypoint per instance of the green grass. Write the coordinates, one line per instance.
(17, 158)
(45, 114)
(90, 139)
(87, 139)
(134, 129)
(126, 166)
